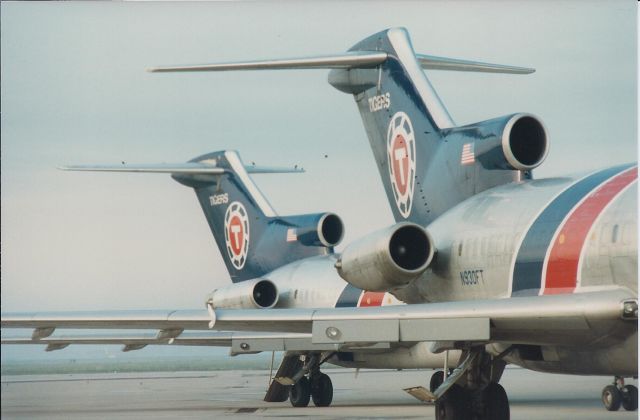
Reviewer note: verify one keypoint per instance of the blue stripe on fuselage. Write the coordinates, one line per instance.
(527, 272)
(349, 297)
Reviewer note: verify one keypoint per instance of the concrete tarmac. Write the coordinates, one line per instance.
(238, 395)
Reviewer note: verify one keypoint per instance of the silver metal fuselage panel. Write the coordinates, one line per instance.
(477, 243)
(485, 233)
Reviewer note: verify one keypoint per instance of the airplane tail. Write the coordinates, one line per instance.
(402, 114)
(427, 164)
(253, 240)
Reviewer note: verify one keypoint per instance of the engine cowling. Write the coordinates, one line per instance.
(250, 294)
(524, 142)
(387, 259)
(323, 229)
(515, 142)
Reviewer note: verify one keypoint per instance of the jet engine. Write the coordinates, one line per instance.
(250, 294)
(323, 229)
(517, 141)
(524, 142)
(387, 259)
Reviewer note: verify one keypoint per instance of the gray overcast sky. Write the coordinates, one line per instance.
(74, 90)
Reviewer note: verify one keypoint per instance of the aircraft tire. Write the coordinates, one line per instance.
(322, 390)
(436, 380)
(300, 393)
(611, 398)
(630, 398)
(455, 404)
(496, 402)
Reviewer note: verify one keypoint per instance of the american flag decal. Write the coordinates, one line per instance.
(291, 235)
(467, 154)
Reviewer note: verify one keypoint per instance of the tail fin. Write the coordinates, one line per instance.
(410, 130)
(252, 239)
(426, 163)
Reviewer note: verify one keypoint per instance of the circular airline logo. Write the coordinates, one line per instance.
(401, 153)
(236, 233)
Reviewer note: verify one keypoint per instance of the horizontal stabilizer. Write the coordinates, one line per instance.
(177, 168)
(348, 60)
(340, 61)
(432, 62)
(253, 169)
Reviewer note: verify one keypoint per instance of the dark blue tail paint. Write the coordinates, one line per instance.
(416, 145)
(252, 239)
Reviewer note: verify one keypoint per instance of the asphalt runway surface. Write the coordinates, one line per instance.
(238, 395)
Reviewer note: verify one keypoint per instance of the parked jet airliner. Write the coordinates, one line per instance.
(494, 266)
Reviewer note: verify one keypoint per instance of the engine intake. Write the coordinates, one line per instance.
(514, 142)
(324, 229)
(250, 294)
(387, 259)
(524, 142)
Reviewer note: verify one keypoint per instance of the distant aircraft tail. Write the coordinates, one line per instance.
(252, 239)
(426, 163)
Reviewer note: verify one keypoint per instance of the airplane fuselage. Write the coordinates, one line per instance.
(547, 236)
(533, 237)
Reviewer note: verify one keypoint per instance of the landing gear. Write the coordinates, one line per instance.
(618, 394)
(321, 390)
(611, 398)
(455, 404)
(300, 393)
(496, 403)
(630, 398)
(460, 403)
(436, 380)
(311, 384)
(472, 391)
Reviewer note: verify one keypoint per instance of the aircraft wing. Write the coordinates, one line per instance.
(568, 319)
(599, 316)
(239, 342)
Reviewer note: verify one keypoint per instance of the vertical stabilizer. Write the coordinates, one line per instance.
(403, 117)
(426, 163)
(236, 211)
(409, 128)
(252, 239)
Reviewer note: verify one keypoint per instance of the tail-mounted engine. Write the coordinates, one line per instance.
(387, 259)
(515, 142)
(524, 143)
(250, 294)
(323, 229)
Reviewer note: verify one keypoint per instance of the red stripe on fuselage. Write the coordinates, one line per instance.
(371, 299)
(562, 263)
